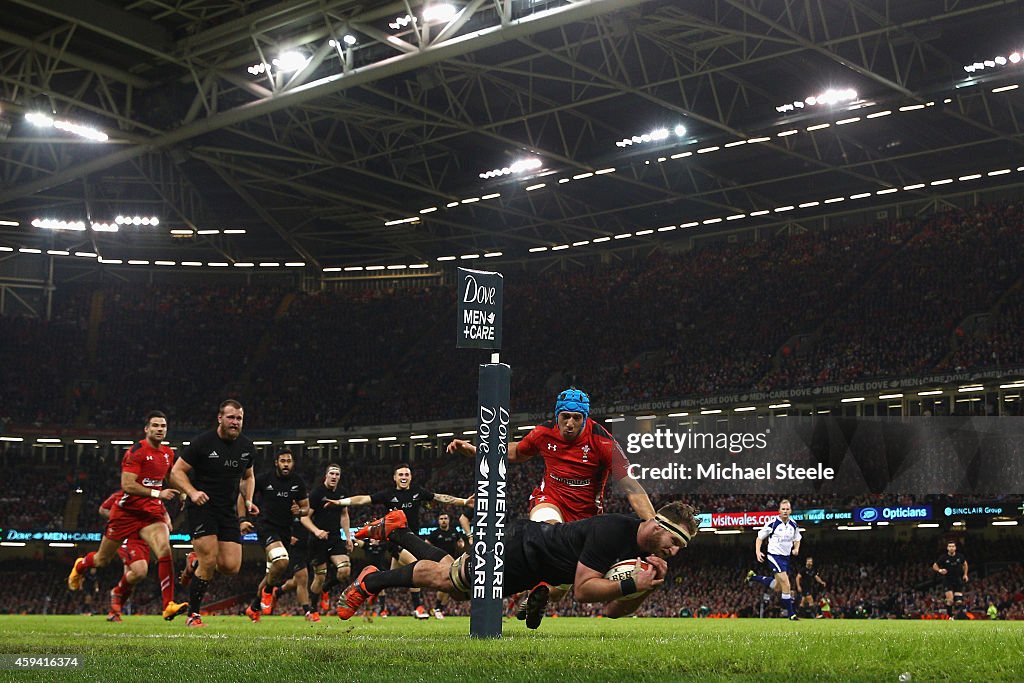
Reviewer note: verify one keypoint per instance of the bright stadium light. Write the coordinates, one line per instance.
(999, 61)
(656, 135)
(398, 23)
(53, 224)
(290, 61)
(46, 121)
(434, 14)
(828, 98)
(520, 166)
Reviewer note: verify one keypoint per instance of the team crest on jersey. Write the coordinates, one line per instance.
(586, 452)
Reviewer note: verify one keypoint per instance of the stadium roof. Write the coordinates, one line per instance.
(372, 150)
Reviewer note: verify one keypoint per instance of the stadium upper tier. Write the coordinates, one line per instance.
(892, 299)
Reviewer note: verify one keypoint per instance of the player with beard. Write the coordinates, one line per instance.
(409, 498)
(578, 553)
(140, 511)
(452, 541)
(328, 518)
(952, 566)
(807, 585)
(282, 496)
(212, 471)
(580, 455)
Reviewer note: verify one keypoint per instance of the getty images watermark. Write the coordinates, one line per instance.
(693, 455)
(824, 454)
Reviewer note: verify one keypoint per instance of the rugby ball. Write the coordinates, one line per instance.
(624, 569)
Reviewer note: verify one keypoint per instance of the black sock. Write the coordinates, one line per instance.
(196, 593)
(419, 548)
(417, 599)
(401, 577)
(307, 608)
(257, 603)
(330, 583)
(438, 605)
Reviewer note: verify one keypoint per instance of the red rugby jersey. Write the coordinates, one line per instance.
(575, 472)
(150, 466)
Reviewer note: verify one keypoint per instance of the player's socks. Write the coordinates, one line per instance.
(87, 563)
(306, 609)
(165, 570)
(123, 588)
(400, 578)
(787, 602)
(766, 581)
(419, 548)
(196, 593)
(417, 599)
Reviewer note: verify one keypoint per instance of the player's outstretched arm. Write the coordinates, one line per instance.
(638, 498)
(465, 448)
(351, 501)
(446, 499)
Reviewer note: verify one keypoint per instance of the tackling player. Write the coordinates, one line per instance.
(140, 510)
(579, 456)
(211, 471)
(783, 536)
(952, 566)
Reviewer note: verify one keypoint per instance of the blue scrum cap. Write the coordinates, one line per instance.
(573, 401)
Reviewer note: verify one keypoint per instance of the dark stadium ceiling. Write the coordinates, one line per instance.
(313, 163)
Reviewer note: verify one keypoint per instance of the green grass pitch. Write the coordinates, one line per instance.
(400, 648)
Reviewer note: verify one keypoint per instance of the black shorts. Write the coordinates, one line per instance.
(210, 520)
(321, 551)
(953, 583)
(268, 533)
(298, 556)
(519, 576)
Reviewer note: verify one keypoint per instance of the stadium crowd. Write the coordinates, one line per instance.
(896, 298)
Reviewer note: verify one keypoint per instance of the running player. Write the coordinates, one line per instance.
(298, 558)
(211, 471)
(783, 536)
(952, 566)
(328, 518)
(809, 585)
(282, 496)
(141, 510)
(134, 554)
(409, 498)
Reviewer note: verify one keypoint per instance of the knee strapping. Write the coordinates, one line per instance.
(460, 587)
